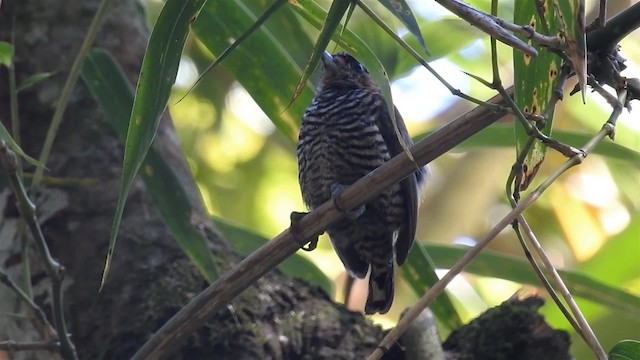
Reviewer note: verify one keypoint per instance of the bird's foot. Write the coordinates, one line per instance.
(304, 245)
(336, 190)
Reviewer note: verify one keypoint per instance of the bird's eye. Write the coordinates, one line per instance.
(359, 67)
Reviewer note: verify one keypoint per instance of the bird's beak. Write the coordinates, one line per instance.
(328, 61)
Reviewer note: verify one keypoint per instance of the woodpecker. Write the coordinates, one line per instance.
(346, 133)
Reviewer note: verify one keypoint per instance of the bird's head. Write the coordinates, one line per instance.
(344, 71)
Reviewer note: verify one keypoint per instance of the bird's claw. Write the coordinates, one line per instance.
(336, 190)
(295, 218)
(312, 245)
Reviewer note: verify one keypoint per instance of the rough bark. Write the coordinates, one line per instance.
(150, 278)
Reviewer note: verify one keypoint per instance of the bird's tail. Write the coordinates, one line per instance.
(380, 289)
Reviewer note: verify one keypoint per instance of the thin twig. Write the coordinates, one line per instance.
(13, 93)
(8, 161)
(602, 14)
(606, 131)
(583, 326)
(68, 87)
(601, 20)
(610, 98)
(515, 179)
(393, 335)
(230, 284)
(551, 42)
(418, 57)
(6, 280)
(556, 95)
(10, 345)
(545, 282)
(488, 24)
(615, 29)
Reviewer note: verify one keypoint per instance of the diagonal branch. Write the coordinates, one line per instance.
(489, 24)
(232, 283)
(607, 37)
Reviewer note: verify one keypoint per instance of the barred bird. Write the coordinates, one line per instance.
(346, 133)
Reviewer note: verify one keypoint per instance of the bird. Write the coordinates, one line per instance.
(347, 132)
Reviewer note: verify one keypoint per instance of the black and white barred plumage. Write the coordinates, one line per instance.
(346, 133)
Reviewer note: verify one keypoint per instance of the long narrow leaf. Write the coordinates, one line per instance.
(33, 80)
(336, 12)
(519, 270)
(6, 53)
(261, 64)
(4, 135)
(535, 78)
(159, 70)
(625, 350)
(403, 12)
(418, 273)
(255, 26)
(109, 86)
(502, 136)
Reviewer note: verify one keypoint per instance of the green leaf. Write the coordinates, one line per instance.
(6, 136)
(573, 29)
(535, 78)
(6, 54)
(159, 70)
(419, 271)
(295, 266)
(625, 350)
(519, 270)
(459, 36)
(332, 21)
(255, 26)
(502, 136)
(403, 12)
(108, 84)
(34, 79)
(220, 21)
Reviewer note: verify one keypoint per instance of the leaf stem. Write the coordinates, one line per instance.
(68, 87)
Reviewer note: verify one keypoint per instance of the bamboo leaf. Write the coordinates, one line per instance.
(502, 136)
(625, 350)
(332, 21)
(419, 271)
(33, 80)
(402, 11)
(536, 77)
(519, 270)
(256, 25)
(108, 84)
(6, 53)
(6, 136)
(159, 70)
(255, 72)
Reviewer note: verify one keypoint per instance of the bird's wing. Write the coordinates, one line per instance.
(408, 186)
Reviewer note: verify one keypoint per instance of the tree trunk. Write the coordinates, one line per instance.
(150, 279)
